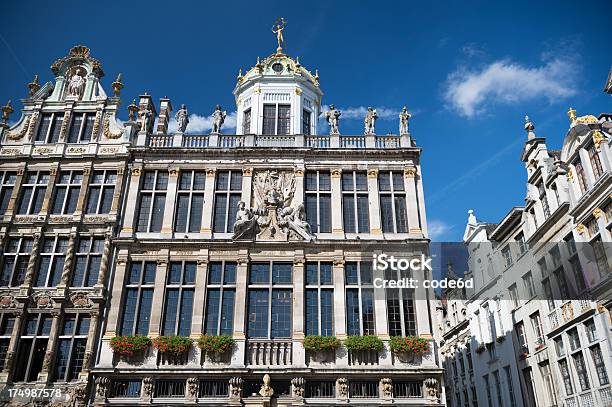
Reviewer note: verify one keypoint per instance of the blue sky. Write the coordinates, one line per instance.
(469, 71)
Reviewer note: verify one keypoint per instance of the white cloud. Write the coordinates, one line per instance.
(508, 82)
(438, 229)
(359, 112)
(202, 124)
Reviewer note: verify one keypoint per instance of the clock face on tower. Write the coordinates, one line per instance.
(277, 67)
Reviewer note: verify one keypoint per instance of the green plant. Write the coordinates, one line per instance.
(216, 344)
(176, 345)
(128, 345)
(409, 344)
(367, 342)
(318, 343)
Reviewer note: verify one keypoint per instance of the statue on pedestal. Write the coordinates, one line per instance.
(182, 119)
(76, 86)
(145, 116)
(333, 119)
(370, 121)
(404, 117)
(218, 119)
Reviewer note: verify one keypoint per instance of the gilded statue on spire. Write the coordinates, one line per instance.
(277, 28)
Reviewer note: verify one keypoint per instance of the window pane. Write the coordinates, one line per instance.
(212, 310)
(258, 313)
(227, 312)
(386, 213)
(281, 273)
(197, 204)
(259, 273)
(182, 208)
(324, 214)
(73, 136)
(281, 314)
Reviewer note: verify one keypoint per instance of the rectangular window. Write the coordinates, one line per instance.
(393, 210)
(544, 200)
(318, 201)
(87, 262)
(548, 383)
(270, 300)
(498, 389)
(595, 161)
(221, 293)
(601, 259)
(246, 122)
(319, 299)
(33, 191)
(511, 394)
(591, 330)
(582, 181)
(306, 115)
(152, 201)
(7, 184)
(566, 376)
(49, 127)
(81, 128)
(359, 298)
(101, 191)
(574, 339)
(581, 370)
(228, 190)
(488, 387)
(400, 306)
(15, 261)
(522, 244)
(178, 307)
(550, 299)
(507, 255)
(51, 262)
(519, 330)
(529, 286)
(190, 201)
(514, 295)
(536, 325)
(559, 346)
(138, 298)
(71, 347)
(67, 190)
(269, 119)
(276, 119)
(600, 366)
(355, 202)
(283, 125)
(7, 322)
(32, 347)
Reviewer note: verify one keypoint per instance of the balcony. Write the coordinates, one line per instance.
(269, 353)
(567, 312)
(353, 142)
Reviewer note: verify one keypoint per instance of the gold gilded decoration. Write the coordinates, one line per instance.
(33, 86)
(588, 119)
(117, 86)
(570, 175)
(373, 173)
(247, 172)
(257, 90)
(107, 132)
(22, 133)
(336, 172)
(580, 229)
(6, 112)
(136, 171)
(597, 213)
(132, 109)
(410, 172)
(65, 121)
(173, 172)
(571, 113)
(210, 172)
(278, 28)
(299, 172)
(598, 138)
(298, 91)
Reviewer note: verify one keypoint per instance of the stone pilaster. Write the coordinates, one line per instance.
(80, 206)
(157, 309)
(104, 261)
(49, 191)
(119, 192)
(10, 209)
(167, 223)
(247, 179)
(9, 361)
(374, 202)
(199, 297)
(336, 200)
(298, 195)
(29, 277)
(69, 261)
(112, 320)
(129, 218)
(92, 336)
(49, 360)
(414, 226)
(299, 354)
(209, 198)
(240, 308)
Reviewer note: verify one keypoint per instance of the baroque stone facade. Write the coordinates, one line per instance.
(265, 236)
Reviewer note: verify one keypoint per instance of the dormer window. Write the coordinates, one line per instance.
(81, 128)
(276, 119)
(50, 127)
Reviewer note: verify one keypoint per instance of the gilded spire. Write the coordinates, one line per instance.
(571, 113)
(117, 86)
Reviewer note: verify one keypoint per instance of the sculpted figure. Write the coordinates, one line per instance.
(145, 115)
(333, 119)
(77, 84)
(245, 226)
(182, 119)
(370, 121)
(218, 119)
(404, 117)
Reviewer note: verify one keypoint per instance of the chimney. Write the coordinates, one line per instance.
(165, 109)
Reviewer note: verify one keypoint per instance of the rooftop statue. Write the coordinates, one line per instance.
(404, 117)
(370, 121)
(218, 119)
(277, 28)
(77, 84)
(145, 115)
(333, 119)
(182, 119)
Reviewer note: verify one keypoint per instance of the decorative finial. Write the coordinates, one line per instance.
(33, 86)
(571, 113)
(6, 112)
(132, 109)
(117, 86)
(297, 61)
(529, 128)
(316, 77)
(277, 28)
(239, 77)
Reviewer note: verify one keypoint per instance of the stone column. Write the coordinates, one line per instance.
(421, 201)
(240, 308)
(247, 179)
(129, 218)
(167, 224)
(336, 200)
(199, 300)
(414, 226)
(10, 209)
(9, 361)
(119, 191)
(106, 252)
(339, 306)
(157, 308)
(92, 336)
(27, 282)
(69, 261)
(374, 202)
(209, 198)
(49, 191)
(112, 320)
(299, 354)
(298, 195)
(49, 360)
(80, 206)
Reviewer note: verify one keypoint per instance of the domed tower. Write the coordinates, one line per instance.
(277, 96)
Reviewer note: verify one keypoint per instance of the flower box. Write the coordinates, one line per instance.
(129, 345)
(367, 342)
(172, 345)
(315, 343)
(216, 344)
(409, 345)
